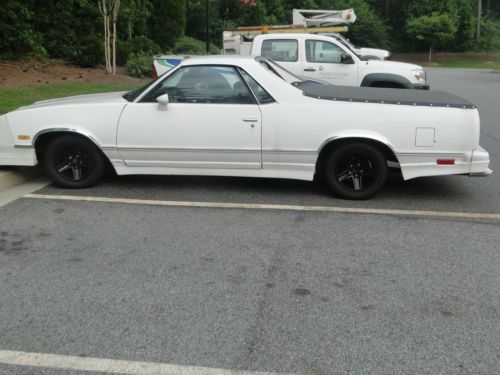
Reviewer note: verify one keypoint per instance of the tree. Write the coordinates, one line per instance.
(18, 36)
(489, 40)
(433, 30)
(167, 22)
(109, 10)
(369, 29)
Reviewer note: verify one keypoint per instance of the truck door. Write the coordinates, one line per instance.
(285, 51)
(326, 61)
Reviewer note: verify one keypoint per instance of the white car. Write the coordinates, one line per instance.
(237, 116)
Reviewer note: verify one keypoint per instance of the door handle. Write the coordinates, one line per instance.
(309, 70)
(250, 119)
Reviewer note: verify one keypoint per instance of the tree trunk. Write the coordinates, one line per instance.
(108, 44)
(114, 46)
(430, 54)
(105, 43)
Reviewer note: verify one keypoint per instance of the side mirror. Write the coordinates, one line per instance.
(163, 101)
(346, 59)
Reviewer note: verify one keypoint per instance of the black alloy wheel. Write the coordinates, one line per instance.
(356, 171)
(73, 162)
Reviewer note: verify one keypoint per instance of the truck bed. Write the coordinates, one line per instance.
(384, 95)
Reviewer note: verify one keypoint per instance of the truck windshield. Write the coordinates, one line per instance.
(279, 71)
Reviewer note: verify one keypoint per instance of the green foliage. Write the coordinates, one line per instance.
(139, 65)
(369, 30)
(139, 45)
(87, 52)
(190, 46)
(73, 29)
(489, 40)
(18, 37)
(134, 16)
(433, 30)
(167, 22)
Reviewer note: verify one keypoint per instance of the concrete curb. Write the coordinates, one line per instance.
(10, 177)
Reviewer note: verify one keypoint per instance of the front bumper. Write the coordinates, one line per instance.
(16, 156)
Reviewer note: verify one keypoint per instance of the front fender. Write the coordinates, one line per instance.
(372, 78)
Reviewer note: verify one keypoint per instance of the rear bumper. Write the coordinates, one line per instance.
(480, 161)
(470, 163)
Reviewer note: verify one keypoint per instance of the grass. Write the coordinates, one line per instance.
(14, 97)
(492, 64)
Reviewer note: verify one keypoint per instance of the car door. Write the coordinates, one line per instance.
(211, 121)
(326, 61)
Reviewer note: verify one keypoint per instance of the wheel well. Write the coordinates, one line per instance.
(42, 142)
(387, 84)
(330, 146)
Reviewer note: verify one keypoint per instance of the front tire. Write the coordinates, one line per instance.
(355, 171)
(73, 162)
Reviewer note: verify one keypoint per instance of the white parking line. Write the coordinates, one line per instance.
(111, 366)
(376, 211)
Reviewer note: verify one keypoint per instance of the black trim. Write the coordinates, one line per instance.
(381, 95)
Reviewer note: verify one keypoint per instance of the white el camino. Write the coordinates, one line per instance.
(246, 116)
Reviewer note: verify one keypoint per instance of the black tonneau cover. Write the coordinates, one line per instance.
(383, 95)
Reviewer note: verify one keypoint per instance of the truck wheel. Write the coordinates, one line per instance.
(355, 171)
(73, 162)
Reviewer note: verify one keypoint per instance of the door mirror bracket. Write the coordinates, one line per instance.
(162, 102)
(345, 58)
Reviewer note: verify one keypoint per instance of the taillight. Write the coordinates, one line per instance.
(446, 161)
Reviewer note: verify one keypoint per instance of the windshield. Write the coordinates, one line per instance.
(134, 94)
(281, 72)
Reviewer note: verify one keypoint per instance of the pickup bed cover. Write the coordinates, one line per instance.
(383, 95)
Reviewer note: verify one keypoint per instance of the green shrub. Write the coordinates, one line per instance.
(139, 65)
(139, 45)
(88, 51)
(190, 46)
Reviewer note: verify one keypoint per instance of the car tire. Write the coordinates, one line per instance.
(355, 171)
(73, 162)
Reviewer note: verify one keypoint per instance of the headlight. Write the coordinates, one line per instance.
(419, 75)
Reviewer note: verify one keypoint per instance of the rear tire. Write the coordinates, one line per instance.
(73, 162)
(355, 171)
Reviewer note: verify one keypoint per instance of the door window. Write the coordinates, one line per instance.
(319, 51)
(280, 49)
(203, 84)
(262, 95)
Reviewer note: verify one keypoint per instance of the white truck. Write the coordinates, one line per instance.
(365, 52)
(321, 57)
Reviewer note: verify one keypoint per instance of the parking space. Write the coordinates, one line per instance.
(231, 285)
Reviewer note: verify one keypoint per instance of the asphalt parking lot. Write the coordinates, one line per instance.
(228, 280)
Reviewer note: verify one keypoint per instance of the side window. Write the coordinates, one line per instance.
(280, 49)
(319, 51)
(203, 84)
(262, 95)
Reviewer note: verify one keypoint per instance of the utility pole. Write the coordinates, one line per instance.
(479, 11)
(207, 37)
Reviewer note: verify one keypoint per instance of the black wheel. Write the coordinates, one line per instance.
(73, 162)
(355, 171)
